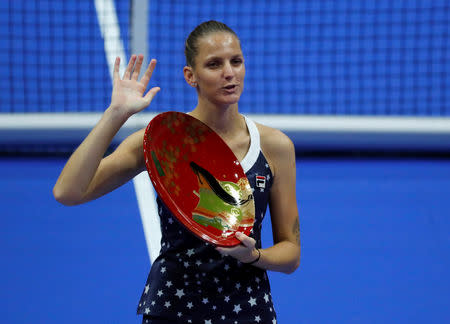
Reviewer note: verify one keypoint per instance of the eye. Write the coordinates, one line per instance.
(236, 61)
(212, 64)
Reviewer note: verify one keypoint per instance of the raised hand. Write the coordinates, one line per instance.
(128, 92)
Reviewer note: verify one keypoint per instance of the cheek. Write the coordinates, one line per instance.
(241, 73)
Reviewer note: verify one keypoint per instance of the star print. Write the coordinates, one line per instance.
(190, 252)
(266, 298)
(257, 319)
(227, 267)
(189, 321)
(186, 264)
(185, 276)
(153, 303)
(179, 314)
(252, 301)
(167, 304)
(169, 284)
(170, 220)
(189, 305)
(180, 293)
(227, 298)
(214, 307)
(198, 263)
(163, 269)
(261, 189)
(238, 285)
(267, 165)
(222, 317)
(237, 308)
(257, 279)
(147, 310)
(162, 261)
(208, 322)
(219, 289)
(146, 289)
(160, 293)
(249, 290)
(216, 280)
(274, 321)
(205, 301)
(268, 177)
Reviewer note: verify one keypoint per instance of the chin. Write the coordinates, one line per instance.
(230, 100)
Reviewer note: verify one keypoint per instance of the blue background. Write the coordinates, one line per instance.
(375, 246)
(375, 243)
(347, 57)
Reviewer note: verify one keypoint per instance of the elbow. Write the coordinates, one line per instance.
(291, 269)
(294, 265)
(65, 198)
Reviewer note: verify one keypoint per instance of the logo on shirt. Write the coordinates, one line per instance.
(261, 181)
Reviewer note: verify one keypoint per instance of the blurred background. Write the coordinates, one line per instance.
(361, 87)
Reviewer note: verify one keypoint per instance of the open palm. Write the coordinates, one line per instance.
(128, 92)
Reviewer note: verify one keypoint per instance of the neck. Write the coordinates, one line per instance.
(224, 120)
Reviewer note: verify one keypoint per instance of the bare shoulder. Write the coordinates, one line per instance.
(274, 141)
(276, 146)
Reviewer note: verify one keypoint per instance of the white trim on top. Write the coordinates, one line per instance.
(253, 152)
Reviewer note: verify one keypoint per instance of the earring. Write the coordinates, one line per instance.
(194, 84)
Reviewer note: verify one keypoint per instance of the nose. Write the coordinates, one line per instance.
(228, 71)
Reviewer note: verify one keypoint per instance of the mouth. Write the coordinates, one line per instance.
(230, 87)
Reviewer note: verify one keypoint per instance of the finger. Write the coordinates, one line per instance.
(221, 251)
(116, 68)
(245, 240)
(137, 68)
(127, 74)
(151, 94)
(148, 73)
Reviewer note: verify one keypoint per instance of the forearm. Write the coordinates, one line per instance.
(281, 257)
(81, 167)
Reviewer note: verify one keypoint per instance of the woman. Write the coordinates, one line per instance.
(191, 281)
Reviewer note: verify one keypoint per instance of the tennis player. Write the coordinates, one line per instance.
(192, 281)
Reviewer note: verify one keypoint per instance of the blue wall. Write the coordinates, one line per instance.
(363, 57)
(375, 246)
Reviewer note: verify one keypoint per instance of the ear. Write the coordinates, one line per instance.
(189, 76)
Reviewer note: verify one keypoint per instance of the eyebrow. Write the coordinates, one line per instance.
(220, 58)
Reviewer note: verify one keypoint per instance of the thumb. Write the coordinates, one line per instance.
(151, 94)
(246, 240)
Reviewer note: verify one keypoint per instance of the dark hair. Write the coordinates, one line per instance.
(204, 29)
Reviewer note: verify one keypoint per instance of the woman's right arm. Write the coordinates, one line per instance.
(87, 175)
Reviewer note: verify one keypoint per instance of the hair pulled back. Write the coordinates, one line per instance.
(202, 30)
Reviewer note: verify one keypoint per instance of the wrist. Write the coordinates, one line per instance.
(117, 114)
(257, 256)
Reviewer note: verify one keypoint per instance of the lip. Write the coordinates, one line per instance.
(232, 89)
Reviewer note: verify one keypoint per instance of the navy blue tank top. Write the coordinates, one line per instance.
(190, 282)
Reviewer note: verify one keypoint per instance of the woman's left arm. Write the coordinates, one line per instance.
(284, 255)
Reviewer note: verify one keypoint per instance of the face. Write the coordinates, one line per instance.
(219, 69)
